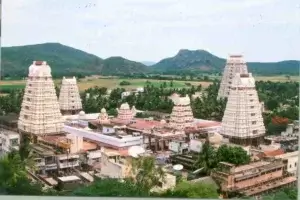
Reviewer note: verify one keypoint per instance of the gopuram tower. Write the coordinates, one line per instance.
(40, 114)
(235, 64)
(242, 122)
(69, 97)
(182, 115)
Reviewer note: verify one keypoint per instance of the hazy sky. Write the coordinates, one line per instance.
(149, 30)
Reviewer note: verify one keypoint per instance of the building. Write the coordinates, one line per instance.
(69, 98)
(253, 179)
(242, 122)
(125, 113)
(9, 140)
(235, 64)
(115, 164)
(40, 113)
(182, 114)
(291, 162)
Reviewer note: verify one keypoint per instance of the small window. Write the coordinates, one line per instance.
(255, 132)
(290, 166)
(28, 99)
(252, 114)
(251, 100)
(252, 107)
(254, 122)
(295, 164)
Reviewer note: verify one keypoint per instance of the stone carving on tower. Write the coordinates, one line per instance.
(103, 117)
(242, 122)
(69, 97)
(125, 113)
(40, 113)
(235, 64)
(182, 115)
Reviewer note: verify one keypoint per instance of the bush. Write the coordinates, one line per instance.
(125, 83)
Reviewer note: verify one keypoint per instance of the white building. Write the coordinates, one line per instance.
(40, 112)
(242, 121)
(235, 64)
(69, 97)
(291, 161)
(125, 94)
(117, 142)
(9, 140)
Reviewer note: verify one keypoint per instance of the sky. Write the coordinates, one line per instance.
(150, 30)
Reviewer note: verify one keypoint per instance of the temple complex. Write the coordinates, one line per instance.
(40, 113)
(182, 114)
(242, 122)
(103, 117)
(69, 98)
(125, 113)
(235, 64)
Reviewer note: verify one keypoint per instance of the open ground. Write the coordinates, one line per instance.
(114, 82)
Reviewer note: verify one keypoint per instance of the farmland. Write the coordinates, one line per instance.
(114, 82)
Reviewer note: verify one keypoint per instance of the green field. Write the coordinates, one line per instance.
(134, 83)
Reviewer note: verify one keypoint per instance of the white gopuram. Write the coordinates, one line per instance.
(235, 64)
(182, 115)
(69, 97)
(125, 113)
(40, 113)
(242, 122)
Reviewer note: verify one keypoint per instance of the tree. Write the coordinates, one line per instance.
(207, 158)
(110, 188)
(13, 176)
(147, 174)
(234, 155)
(192, 190)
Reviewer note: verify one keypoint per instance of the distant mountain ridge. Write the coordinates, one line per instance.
(65, 60)
(148, 63)
(68, 61)
(203, 61)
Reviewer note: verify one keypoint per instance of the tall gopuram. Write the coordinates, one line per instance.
(69, 97)
(40, 113)
(235, 64)
(182, 115)
(242, 122)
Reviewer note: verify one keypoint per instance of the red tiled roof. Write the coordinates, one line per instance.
(208, 124)
(38, 62)
(143, 124)
(271, 153)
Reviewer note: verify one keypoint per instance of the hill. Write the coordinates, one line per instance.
(148, 63)
(65, 61)
(203, 61)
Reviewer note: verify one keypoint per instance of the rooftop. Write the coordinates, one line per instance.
(251, 166)
(69, 178)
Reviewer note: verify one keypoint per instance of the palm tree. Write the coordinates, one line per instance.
(206, 158)
(147, 174)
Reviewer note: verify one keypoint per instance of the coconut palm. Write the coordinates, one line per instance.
(147, 173)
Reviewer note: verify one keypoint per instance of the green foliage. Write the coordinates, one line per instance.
(188, 62)
(209, 157)
(235, 155)
(110, 188)
(13, 176)
(64, 61)
(148, 175)
(125, 83)
(192, 190)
